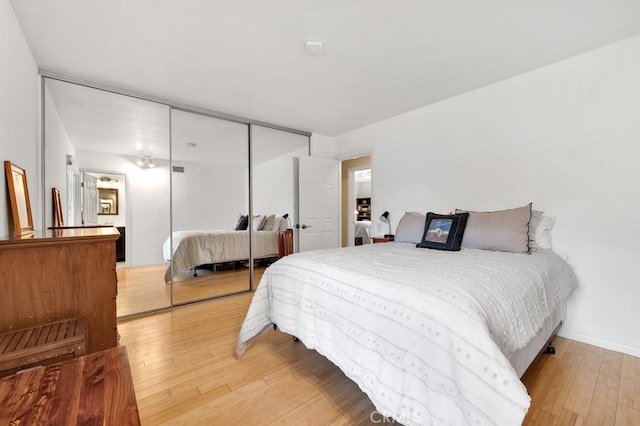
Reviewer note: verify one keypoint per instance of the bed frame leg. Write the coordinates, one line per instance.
(549, 348)
(294, 338)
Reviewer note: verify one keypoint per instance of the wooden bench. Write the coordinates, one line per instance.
(41, 344)
(95, 389)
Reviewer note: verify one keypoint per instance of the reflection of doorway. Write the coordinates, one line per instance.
(89, 199)
(360, 197)
(104, 203)
(350, 190)
(73, 216)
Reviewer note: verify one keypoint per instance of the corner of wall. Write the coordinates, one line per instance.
(572, 334)
(321, 146)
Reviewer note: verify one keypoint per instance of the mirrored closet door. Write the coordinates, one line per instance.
(108, 156)
(201, 202)
(210, 195)
(275, 156)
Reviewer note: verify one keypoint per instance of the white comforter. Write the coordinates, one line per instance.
(194, 248)
(424, 333)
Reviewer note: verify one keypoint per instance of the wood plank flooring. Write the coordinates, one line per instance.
(143, 289)
(184, 372)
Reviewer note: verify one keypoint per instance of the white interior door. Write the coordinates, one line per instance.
(319, 198)
(89, 199)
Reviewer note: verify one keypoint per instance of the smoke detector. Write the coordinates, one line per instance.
(314, 47)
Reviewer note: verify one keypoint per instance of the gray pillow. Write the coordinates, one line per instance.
(504, 230)
(410, 228)
(268, 223)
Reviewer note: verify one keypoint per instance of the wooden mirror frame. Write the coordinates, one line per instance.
(57, 208)
(18, 191)
(113, 192)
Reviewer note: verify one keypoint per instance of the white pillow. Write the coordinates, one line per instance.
(410, 228)
(258, 221)
(540, 230)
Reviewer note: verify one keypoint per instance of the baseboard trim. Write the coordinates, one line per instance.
(574, 335)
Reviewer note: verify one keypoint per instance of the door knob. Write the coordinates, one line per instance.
(305, 226)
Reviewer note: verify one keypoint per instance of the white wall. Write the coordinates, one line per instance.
(209, 196)
(274, 185)
(363, 189)
(57, 147)
(18, 113)
(321, 146)
(567, 137)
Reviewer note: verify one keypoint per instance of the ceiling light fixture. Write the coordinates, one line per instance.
(145, 162)
(313, 47)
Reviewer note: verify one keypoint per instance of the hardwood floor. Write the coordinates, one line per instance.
(143, 289)
(184, 372)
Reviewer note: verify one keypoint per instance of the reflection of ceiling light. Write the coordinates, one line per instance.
(107, 179)
(191, 144)
(362, 175)
(145, 162)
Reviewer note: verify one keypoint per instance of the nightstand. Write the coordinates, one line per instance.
(385, 239)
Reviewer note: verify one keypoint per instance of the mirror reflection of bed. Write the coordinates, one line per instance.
(190, 252)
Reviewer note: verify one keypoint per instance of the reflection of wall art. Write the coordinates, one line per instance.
(57, 208)
(108, 201)
(18, 192)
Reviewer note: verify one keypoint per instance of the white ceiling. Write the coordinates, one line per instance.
(382, 58)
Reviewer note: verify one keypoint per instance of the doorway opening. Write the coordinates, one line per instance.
(103, 203)
(357, 203)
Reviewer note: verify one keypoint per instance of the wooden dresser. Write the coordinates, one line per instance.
(58, 274)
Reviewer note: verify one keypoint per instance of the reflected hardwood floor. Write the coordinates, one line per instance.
(143, 289)
(184, 372)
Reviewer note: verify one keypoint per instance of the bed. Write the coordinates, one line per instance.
(361, 232)
(192, 249)
(432, 337)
